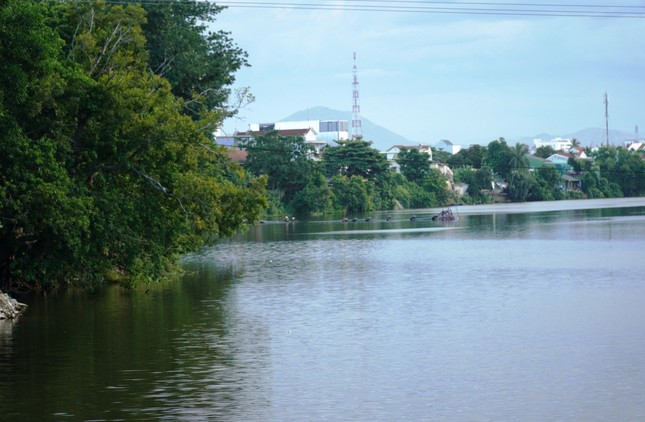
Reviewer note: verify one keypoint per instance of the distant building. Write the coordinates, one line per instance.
(558, 144)
(448, 146)
(577, 152)
(393, 153)
(326, 130)
(308, 134)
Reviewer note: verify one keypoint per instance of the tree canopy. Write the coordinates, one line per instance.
(415, 164)
(102, 171)
(199, 64)
(287, 161)
(355, 157)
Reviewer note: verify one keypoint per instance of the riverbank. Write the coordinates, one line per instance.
(10, 308)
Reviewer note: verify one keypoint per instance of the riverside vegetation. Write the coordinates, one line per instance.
(109, 171)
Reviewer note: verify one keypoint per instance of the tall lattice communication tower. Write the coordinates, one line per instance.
(357, 125)
(606, 119)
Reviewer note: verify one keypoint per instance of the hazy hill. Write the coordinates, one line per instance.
(381, 137)
(384, 138)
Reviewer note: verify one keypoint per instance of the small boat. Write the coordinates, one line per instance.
(445, 215)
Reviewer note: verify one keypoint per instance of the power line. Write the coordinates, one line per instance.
(430, 7)
(471, 8)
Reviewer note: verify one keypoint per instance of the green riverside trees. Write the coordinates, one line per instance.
(103, 174)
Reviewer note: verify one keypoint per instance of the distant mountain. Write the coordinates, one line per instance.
(588, 137)
(384, 138)
(381, 137)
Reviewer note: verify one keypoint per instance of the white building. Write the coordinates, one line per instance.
(308, 134)
(326, 130)
(448, 146)
(558, 144)
(393, 153)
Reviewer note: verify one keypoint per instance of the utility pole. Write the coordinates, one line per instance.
(606, 120)
(357, 125)
(636, 133)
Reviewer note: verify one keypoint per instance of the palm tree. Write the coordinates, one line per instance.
(575, 143)
(519, 161)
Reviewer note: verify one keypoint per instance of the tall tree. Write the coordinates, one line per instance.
(199, 63)
(545, 151)
(108, 174)
(287, 161)
(435, 183)
(355, 158)
(469, 157)
(498, 157)
(415, 164)
(518, 160)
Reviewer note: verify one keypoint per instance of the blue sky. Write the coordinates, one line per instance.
(426, 76)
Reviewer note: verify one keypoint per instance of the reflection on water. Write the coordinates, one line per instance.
(502, 315)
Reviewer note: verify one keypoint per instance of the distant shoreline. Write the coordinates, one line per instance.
(546, 206)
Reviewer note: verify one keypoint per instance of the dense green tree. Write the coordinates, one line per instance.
(545, 151)
(199, 64)
(498, 157)
(548, 186)
(436, 183)
(520, 187)
(518, 161)
(478, 180)
(315, 197)
(351, 194)
(469, 157)
(415, 164)
(287, 161)
(440, 156)
(355, 158)
(101, 172)
(389, 190)
(621, 168)
(628, 173)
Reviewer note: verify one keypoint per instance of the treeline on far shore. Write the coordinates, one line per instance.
(353, 177)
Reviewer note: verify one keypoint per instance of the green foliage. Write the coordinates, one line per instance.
(498, 157)
(351, 194)
(548, 186)
(200, 65)
(545, 151)
(315, 197)
(388, 192)
(285, 160)
(441, 156)
(518, 160)
(596, 186)
(469, 157)
(436, 184)
(102, 172)
(520, 187)
(624, 171)
(415, 164)
(478, 181)
(355, 158)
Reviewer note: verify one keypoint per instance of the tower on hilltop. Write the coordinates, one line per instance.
(357, 125)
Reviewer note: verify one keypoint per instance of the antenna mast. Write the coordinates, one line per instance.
(357, 125)
(606, 120)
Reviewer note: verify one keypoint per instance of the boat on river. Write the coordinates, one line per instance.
(445, 215)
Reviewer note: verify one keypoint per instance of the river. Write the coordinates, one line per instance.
(527, 312)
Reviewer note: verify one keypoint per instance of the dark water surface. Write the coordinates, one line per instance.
(528, 312)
